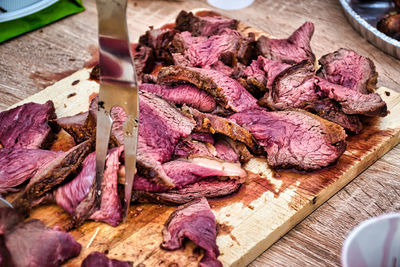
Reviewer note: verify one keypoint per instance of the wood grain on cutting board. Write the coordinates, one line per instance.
(250, 221)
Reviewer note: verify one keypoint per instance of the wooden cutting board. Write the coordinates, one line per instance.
(249, 221)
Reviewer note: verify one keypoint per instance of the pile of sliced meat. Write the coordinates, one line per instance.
(211, 98)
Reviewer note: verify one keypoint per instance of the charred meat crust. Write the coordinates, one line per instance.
(214, 124)
(56, 172)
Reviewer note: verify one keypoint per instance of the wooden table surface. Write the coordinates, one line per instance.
(35, 60)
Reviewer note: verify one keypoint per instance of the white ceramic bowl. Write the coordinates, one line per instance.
(375, 242)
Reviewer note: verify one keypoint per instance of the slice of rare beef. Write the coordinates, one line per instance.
(227, 91)
(214, 124)
(225, 151)
(292, 50)
(18, 165)
(144, 61)
(294, 139)
(292, 88)
(229, 48)
(205, 26)
(27, 126)
(159, 41)
(349, 69)
(110, 209)
(98, 259)
(33, 244)
(69, 195)
(209, 188)
(78, 196)
(195, 221)
(191, 170)
(56, 171)
(182, 94)
(157, 38)
(189, 147)
(331, 111)
(351, 101)
(202, 137)
(194, 169)
(295, 88)
(161, 128)
(79, 126)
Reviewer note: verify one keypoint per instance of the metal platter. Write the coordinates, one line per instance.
(364, 15)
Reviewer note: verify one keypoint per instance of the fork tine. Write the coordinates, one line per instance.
(103, 131)
(130, 142)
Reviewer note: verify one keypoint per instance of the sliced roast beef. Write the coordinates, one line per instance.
(5, 257)
(143, 184)
(225, 151)
(189, 147)
(195, 221)
(191, 170)
(182, 94)
(56, 171)
(203, 137)
(205, 26)
(110, 210)
(292, 88)
(33, 244)
(78, 126)
(254, 79)
(295, 87)
(228, 48)
(77, 196)
(63, 142)
(349, 69)
(240, 149)
(331, 110)
(214, 124)
(351, 101)
(209, 188)
(144, 61)
(272, 69)
(228, 92)
(294, 139)
(161, 128)
(9, 218)
(98, 259)
(292, 50)
(69, 195)
(27, 126)
(18, 165)
(159, 40)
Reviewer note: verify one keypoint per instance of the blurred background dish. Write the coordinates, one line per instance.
(375, 242)
(365, 15)
(230, 4)
(11, 9)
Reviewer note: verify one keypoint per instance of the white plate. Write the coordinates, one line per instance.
(21, 8)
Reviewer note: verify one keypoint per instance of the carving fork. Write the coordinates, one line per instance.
(118, 87)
